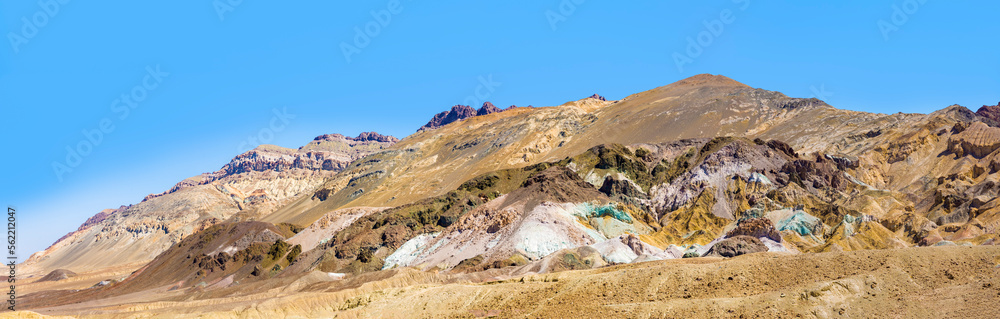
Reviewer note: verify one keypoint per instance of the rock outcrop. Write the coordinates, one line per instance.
(461, 112)
(755, 227)
(990, 111)
(488, 108)
(457, 113)
(735, 246)
(978, 140)
(363, 137)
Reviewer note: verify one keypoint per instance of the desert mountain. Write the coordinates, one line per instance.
(252, 184)
(779, 162)
(704, 167)
(433, 162)
(461, 112)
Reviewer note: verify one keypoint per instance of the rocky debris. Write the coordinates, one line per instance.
(735, 246)
(488, 108)
(990, 111)
(978, 140)
(597, 97)
(57, 275)
(755, 227)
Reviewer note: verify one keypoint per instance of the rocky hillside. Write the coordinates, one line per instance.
(703, 161)
(252, 184)
(704, 167)
(433, 162)
(461, 112)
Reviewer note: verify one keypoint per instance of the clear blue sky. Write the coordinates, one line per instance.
(227, 74)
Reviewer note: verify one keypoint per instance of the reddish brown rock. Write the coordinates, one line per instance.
(488, 108)
(755, 227)
(990, 111)
(597, 97)
(457, 113)
(735, 246)
(515, 106)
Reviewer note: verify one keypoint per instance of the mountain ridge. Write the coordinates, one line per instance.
(703, 167)
(236, 186)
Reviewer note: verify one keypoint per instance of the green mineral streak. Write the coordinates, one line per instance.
(606, 210)
(800, 222)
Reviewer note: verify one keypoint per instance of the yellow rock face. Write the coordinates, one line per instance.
(979, 140)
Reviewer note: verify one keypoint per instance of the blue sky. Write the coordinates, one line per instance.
(224, 70)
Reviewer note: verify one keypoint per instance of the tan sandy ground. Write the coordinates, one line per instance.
(933, 282)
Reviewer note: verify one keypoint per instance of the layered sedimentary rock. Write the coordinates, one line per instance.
(705, 166)
(251, 185)
(977, 140)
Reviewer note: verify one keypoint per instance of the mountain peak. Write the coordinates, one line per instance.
(990, 111)
(488, 108)
(706, 79)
